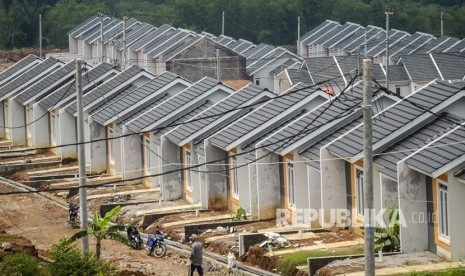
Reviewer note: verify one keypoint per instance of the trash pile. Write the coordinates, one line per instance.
(275, 241)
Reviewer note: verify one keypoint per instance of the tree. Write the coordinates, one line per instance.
(100, 229)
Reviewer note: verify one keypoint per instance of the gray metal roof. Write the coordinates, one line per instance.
(255, 49)
(258, 52)
(457, 47)
(348, 29)
(397, 121)
(180, 46)
(28, 76)
(437, 45)
(299, 75)
(186, 117)
(396, 73)
(148, 37)
(18, 67)
(245, 44)
(421, 68)
(159, 40)
(451, 67)
(413, 44)
(257, 118)
(416, 140)
(51, 100)
(50, 82)
(318, 31)
(136, 33)
(272, 56)
(106, 87)
(221, 109)
(395, 37)
(107, 26)
(440, 153)
(175, 103)
(167, 43)
(357, 39)
(321, 68)
(91, 21)
(285, 65)
(94, 30)
(117, 32)
(177, 44)
(316, 121)
(131, 98)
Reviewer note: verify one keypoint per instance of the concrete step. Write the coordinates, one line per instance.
(91, 181)
(189, 207)
(31, 160)
(27, 166)
(130, 192)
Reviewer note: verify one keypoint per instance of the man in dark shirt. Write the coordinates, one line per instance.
(196, 256)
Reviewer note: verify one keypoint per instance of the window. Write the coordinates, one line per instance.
(235, 184)
(398, 91)
(359, 192)
(112, 145)
(188, 172)
(443, 210)
(147, 156)
(257, 81)
(291, 184)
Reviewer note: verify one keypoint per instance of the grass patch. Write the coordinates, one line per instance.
(288, 262)
(4, 237)
(456, 271)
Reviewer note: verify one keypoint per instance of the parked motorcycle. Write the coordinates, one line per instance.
(156, 245)
(134, 237)
(73, 215)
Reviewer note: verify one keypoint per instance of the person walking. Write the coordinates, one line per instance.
(196, 256)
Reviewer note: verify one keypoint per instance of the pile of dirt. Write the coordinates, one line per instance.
(18, 243)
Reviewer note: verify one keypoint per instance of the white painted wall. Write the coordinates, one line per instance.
(98, 150)
(41, 137)
(131, 156)
(16, 122)
(268, 183)
(412, 201)
(456, 191)
(67, 134)
(73, 45)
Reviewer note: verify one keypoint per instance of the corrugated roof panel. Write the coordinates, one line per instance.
(149, 37)
(84, 25)
(451, 67)
(18, 66)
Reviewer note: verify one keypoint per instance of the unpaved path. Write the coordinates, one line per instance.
(44, 223)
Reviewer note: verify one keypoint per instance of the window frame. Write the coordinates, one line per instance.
(188, 159)
(291, 198)
(112, 145)
(235, 180)
(147, 155)
(442, 193)
(359, 192)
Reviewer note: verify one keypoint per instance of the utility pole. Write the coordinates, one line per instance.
(40, 35)
(442, 24)
(125, 18)
(298, 35)
(222, 25)
(218, 64)
(387, 47)
(81, 157)
(102, 55)
(368, 168)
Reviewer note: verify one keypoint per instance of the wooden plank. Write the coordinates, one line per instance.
(169, 209)
(153, 190)
(196, 220)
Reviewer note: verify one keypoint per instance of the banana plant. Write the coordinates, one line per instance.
(101, 229)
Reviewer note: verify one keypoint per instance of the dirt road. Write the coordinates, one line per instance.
(44, 223)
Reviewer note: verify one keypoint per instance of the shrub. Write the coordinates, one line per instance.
(19, 264)
(68, 260)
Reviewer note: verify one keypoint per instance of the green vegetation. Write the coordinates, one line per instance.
(267, 21)
(387, 238)
(100, 229)
(19, 264)
(240, 214)
(288, 262)
(458, 271)
(68, 260)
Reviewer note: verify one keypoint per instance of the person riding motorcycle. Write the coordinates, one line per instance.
(72, 210)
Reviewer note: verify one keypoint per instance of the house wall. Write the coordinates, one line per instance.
(2, 120)
(314, 192)
(98, 150)
(151, 150)
(172, 185)
(87, 51)
(41, 137)
(95, 50)
(268, 184)
(333, 186)
(389, 192)
(16, 121)
(131, 156)
(73, 45)
(199, 61)
(457, 205)
(80, 47)
(284, 83)
(118, 167)
(266, 78)
(67, 134)
(412, 203)
(217, 182)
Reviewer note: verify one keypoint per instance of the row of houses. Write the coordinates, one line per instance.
(331, 38)
(183, 52)
(219, 147)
